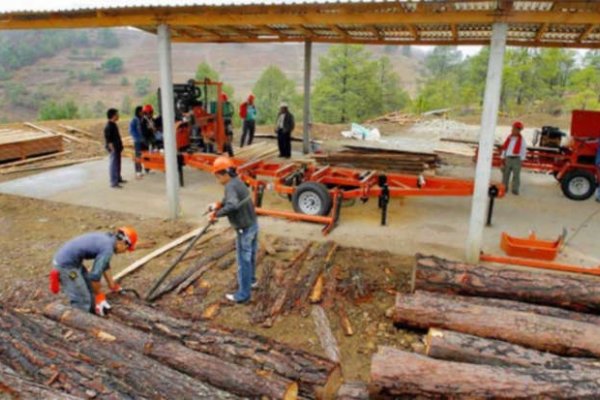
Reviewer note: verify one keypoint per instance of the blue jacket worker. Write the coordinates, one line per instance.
(237, 206)
(83, 287)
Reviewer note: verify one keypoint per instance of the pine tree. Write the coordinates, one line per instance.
(272, 88)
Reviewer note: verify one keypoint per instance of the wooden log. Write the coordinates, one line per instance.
(214, 370)
(313, 374)
(227, 248)
(316, 294)
(455, 346)
(34, 159)
(14, 386)
(572, 291)
(149, 257)
(564, 337)
(526, 307)
(398, 373)
(145, 376)
(353, 390)
(195, 276)
(323, 328)
(344, 320)
(66, 136)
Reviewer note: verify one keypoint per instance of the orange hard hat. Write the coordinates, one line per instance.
(250, 97)
(129, 235)
(517, 124)
(221, 164)
(148, 108)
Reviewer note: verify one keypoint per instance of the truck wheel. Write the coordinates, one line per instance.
(578, 184)
(311, 198)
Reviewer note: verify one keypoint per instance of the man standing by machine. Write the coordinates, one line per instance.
(248, 115)
(237, 206)
(514, 152)
(284, 127)
(148, 127)
(114, 146)
(135, 130)
(83, 287)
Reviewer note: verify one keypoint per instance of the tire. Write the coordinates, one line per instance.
(311, 198)
(578, 184)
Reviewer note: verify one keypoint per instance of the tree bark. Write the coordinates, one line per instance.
(323, 328)
(313, 373)
(564, 337)
(214, 370)
(228, 247)
(455, 346)
(354, 390)
(13, 386)
(526, 307)
(398, 373)
(572, 291)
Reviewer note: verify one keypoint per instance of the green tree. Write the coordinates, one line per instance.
(52, 110)
(442, 60)
(272, 88)
(392, 96)
(113, 65)
(203, 71)
(347, 89)
(142, 86)
(108, 39)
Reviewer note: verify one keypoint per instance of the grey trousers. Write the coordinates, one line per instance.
(76, 285)
(512, 165)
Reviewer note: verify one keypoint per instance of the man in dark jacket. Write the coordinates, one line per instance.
(135, 130)
(284, 126)
(237, 206)
(114, 146)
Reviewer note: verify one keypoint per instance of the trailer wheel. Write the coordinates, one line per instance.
(578, 184)
(311, 198)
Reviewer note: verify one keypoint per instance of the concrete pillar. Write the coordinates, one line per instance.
(483, 170)
(168, 117)
(306, 125)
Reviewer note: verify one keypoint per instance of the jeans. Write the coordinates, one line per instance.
(114, 167)
(74, 282)
(512, 165)
(246, 245)
(248, 131)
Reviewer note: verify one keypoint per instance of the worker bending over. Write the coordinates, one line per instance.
(82, 287)
(514, 152)
(237, 206)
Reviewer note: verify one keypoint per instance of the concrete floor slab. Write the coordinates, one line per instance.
(428, 225)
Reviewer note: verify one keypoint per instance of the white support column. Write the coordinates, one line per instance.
(489, 117)
(307, 68)
(168, 117)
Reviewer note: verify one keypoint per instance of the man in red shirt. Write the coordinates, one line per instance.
(514, 151)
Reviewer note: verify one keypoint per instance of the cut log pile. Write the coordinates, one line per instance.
(494, 333)
(381, 159)
(20, 144)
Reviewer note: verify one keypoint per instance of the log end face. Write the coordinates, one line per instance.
(292, 392)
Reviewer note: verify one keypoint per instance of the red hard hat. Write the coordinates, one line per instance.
(518, 125)
(148, 108)
(224, 97)
(250, 97)
(222, 163)
(130, 236)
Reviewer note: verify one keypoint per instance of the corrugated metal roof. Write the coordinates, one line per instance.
(45, 6)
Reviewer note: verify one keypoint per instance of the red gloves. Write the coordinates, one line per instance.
(54, 281)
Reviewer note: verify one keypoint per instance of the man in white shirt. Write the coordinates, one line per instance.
(514, 151)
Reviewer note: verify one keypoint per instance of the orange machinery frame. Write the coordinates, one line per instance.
(343, 184)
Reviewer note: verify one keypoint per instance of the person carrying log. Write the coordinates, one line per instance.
(83, 287)
(237, 206)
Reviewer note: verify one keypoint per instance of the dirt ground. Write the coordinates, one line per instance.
(32, 230)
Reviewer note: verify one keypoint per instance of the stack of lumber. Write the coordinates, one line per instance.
(396, 117)
(257, 151)
(19, 144)
(382, 159)
(495, 333)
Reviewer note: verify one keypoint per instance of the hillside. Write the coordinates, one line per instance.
(62, 77)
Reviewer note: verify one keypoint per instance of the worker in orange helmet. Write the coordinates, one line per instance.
(248, 115)
(237, 206)
(514, 152)
(83, 287)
